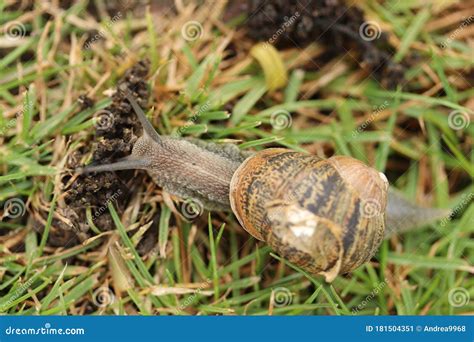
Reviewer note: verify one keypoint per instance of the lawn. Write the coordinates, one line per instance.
(116, 243)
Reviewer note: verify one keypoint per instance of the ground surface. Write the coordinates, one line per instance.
(115, 243)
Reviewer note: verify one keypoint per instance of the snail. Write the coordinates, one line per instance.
(327, 216)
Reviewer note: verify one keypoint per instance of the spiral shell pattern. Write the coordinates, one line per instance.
(310, 210)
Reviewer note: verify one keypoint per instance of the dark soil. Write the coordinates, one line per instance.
(329, 22)
(113, 141)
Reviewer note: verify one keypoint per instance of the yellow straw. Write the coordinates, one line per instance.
(272, 64)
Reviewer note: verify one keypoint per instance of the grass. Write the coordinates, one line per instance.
(210, 265)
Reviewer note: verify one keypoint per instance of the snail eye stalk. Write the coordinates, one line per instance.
(147, 127)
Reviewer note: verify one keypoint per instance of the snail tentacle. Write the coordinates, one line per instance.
(127, 163)
(147, 126)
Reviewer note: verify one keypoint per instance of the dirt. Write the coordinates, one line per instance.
(114, 138)
(331, 22)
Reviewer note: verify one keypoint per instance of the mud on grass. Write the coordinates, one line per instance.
(116, 129)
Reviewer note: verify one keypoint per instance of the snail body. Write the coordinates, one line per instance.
(188, 168)
(325, 215)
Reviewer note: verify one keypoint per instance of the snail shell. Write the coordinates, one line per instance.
(325, 215)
